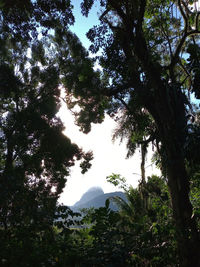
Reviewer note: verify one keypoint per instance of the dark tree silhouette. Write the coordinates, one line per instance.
(150, 61)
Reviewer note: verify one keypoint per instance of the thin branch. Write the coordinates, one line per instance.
(151, 138)
(193, 32)
(179, 47)
(104, 14)
(158, 146)
(168, 41)
(197, 21)
(187, 74)
(175, 58)
(142, 165)
(124, 103)
(186, 8)
(183, 15)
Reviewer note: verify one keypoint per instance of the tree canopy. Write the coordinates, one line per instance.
(35, 155)
(150, 74)
(148, 82)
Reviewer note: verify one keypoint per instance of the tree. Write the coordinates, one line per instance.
(108, 246)
(136, 235)
(150, 61)
(35, 155)
(148, 223)
(150, 67)
(24, 20)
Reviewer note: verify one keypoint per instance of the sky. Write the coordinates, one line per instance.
(109, 157)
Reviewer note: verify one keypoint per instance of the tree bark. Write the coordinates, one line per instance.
(164, 100)
(169, 113)
(187, 232)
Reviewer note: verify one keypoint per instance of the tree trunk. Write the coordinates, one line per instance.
(164, 100)
(187, 233)
(169, 114)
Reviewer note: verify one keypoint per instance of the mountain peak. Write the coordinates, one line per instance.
(96, 189)
(90, 194)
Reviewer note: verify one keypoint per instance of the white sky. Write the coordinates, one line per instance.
(109, 158)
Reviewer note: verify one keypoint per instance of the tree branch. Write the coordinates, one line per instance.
(197, 21)
(175, 58)
(120, 12)
(168, 41)
(141, 13)
(187, 75)
(183, 15)
(186, 33)
(124, 103)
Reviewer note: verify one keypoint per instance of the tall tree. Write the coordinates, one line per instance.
(35, 155)
(150, 69)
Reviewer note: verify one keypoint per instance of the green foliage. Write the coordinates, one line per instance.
(35, 161)
(117, 180)
(147, 218)
(23, 20)
(142, 233)
(150, 68)
(78, 75)
(195, 196)
(108, 248)
(194, 67)
(39, 243)
(35, 155)
(150, 64)
(137, 235)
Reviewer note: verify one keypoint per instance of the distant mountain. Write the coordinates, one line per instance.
(93, 192)
(96, 198)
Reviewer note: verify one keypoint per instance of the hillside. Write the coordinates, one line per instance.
(92, 193)
(95, 197)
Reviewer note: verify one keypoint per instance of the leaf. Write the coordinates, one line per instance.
(107, 203)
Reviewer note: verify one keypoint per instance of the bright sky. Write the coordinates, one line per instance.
(108, 157)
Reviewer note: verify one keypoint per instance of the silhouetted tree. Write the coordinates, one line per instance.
(150, 68)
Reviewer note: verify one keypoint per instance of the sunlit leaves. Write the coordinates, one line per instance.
(117, 180)
(26, 19)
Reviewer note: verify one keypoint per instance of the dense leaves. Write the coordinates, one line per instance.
(24, 19)
(148, 82)
(139, 234)
(35, 155)
(35, 161)
(150, 78)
